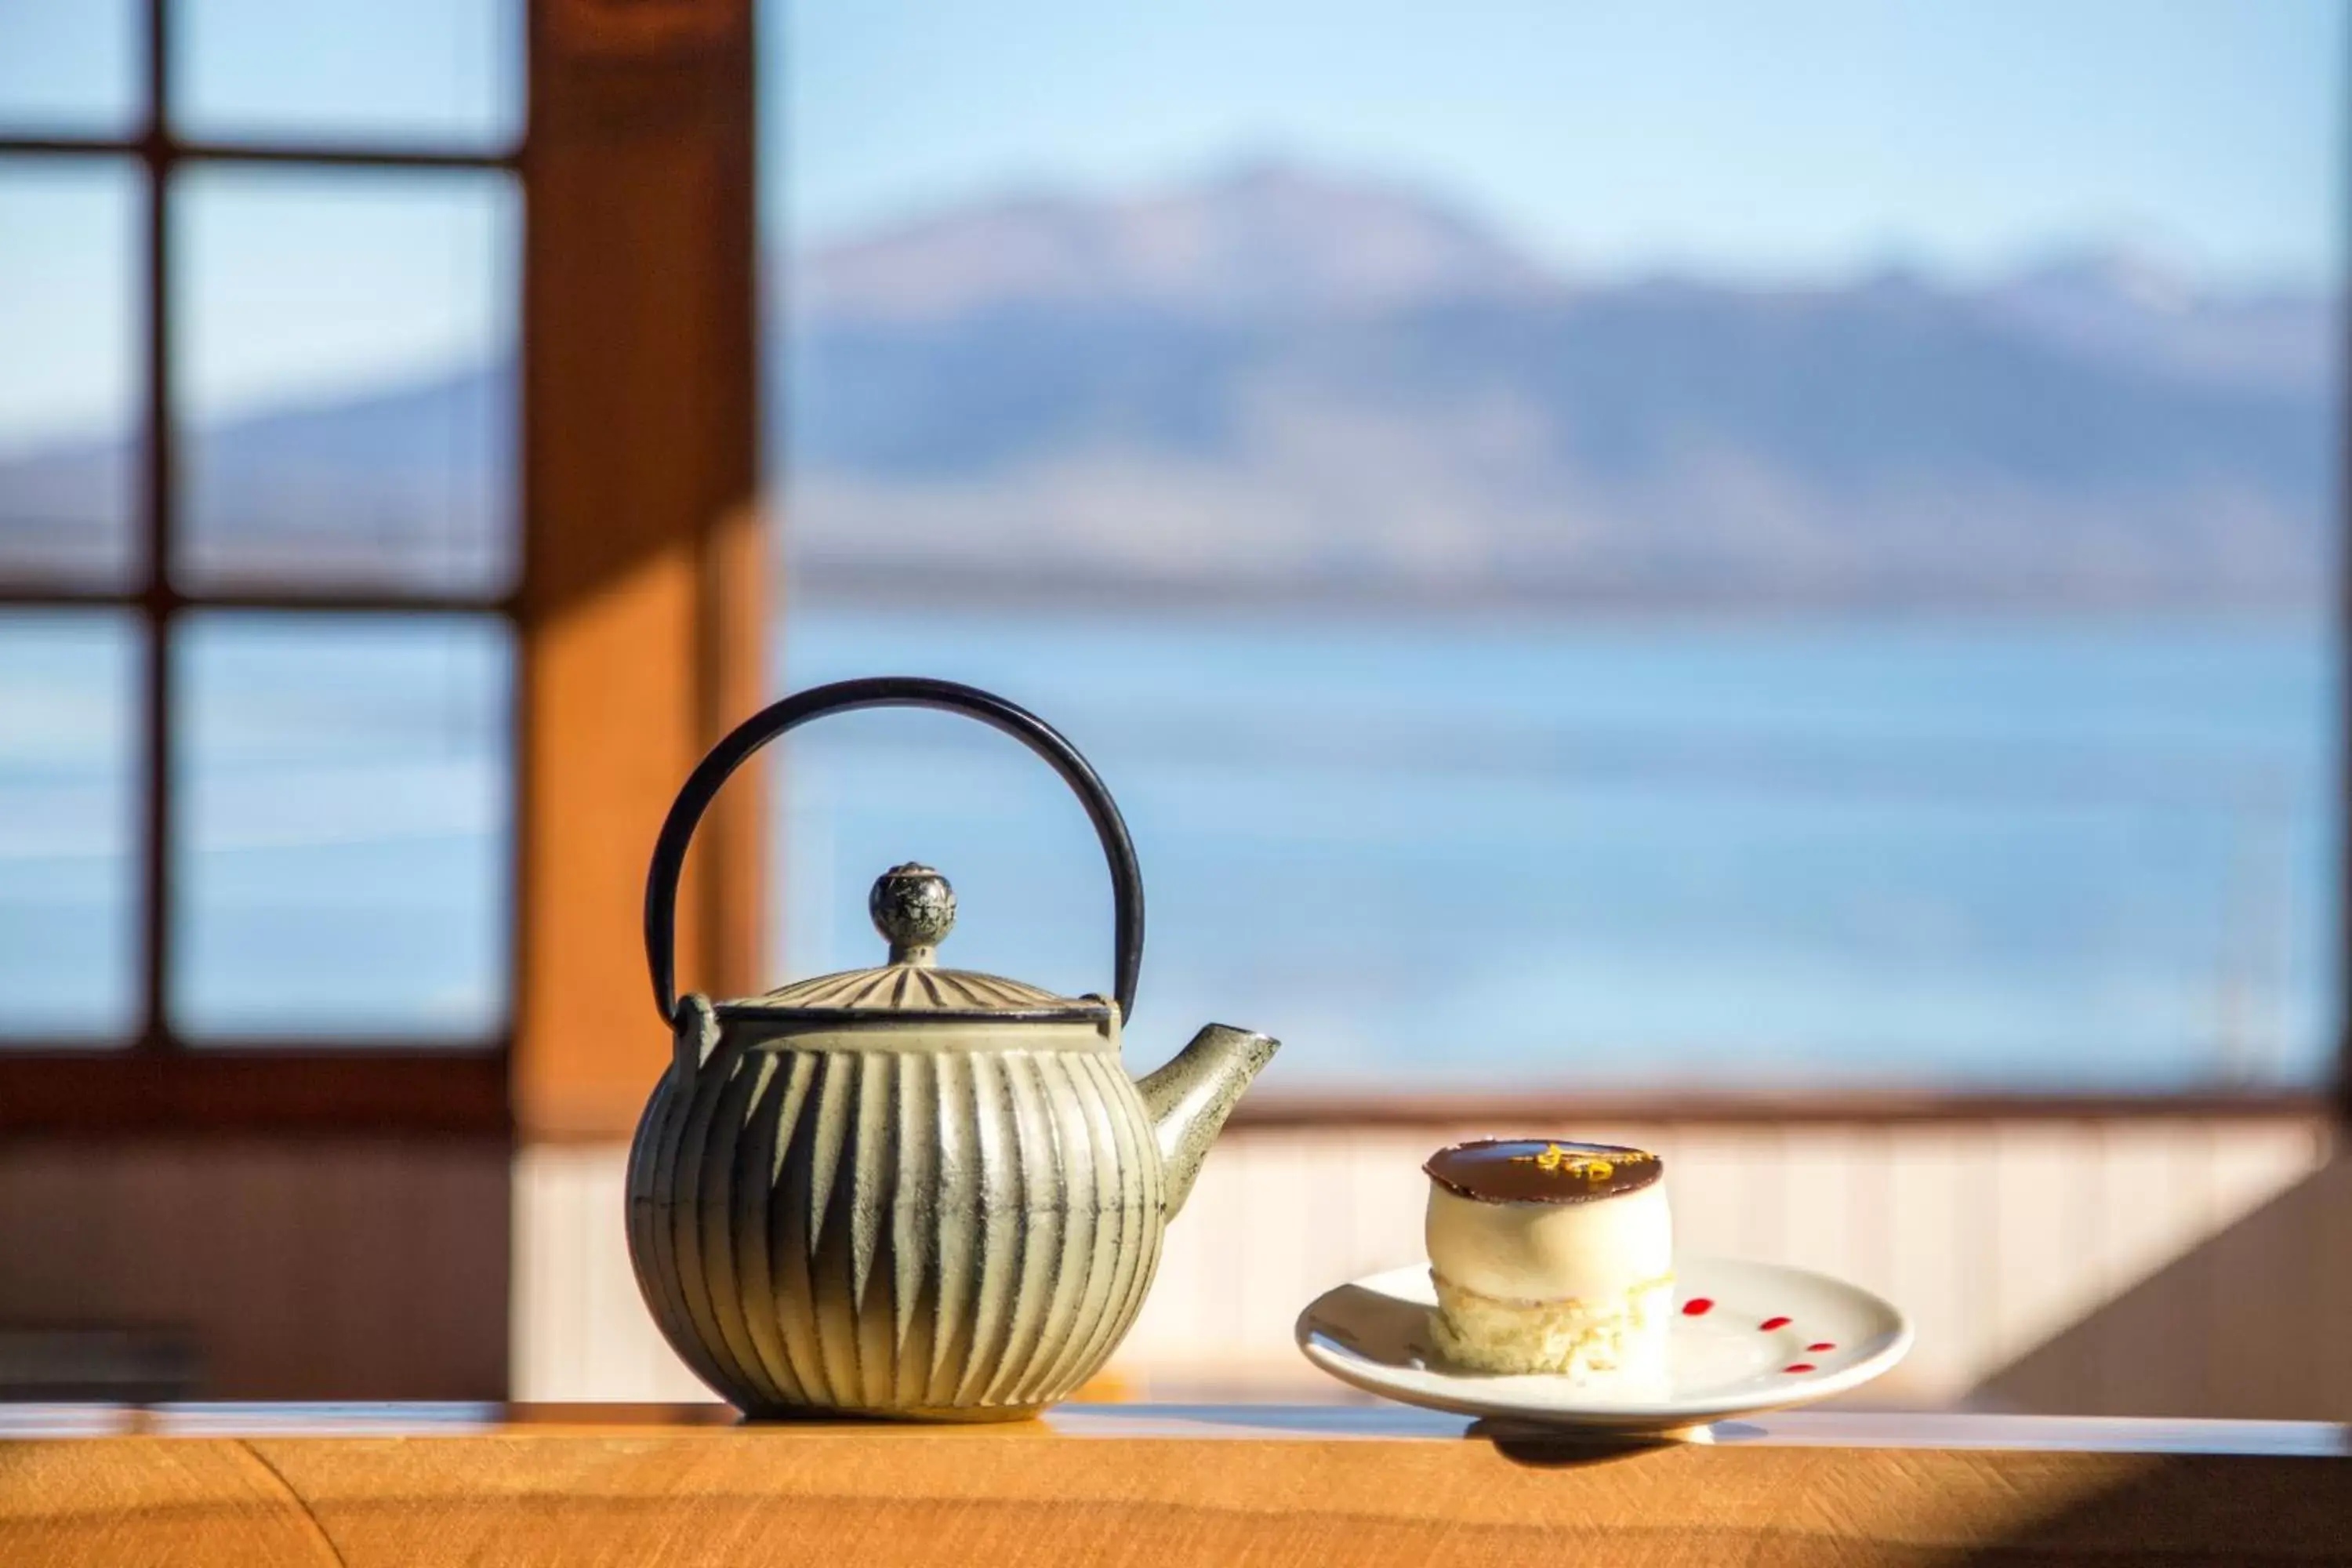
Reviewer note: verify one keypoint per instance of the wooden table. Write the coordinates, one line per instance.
(1148, 1485)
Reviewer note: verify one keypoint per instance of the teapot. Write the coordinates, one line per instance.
(910, 1191)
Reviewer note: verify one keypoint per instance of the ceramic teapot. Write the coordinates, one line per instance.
(908, 1190)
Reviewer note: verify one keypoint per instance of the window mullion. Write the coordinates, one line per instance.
(157, 611)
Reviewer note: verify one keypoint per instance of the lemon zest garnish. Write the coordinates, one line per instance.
(1590, 1167)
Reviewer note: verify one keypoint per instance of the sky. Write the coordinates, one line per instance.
(1799, 138)
(1818, 136)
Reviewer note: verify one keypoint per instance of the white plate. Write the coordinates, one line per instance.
(1746, 1337)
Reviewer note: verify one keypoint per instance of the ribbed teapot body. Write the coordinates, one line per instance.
(955, 1223)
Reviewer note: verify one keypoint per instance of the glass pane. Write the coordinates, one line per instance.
(69, 825)
(346, 378)
(435, 72)
(72, 312)
(1658, 545)
(342, 827)
(70, 68)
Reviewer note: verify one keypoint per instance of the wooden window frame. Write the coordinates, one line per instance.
(624, 96)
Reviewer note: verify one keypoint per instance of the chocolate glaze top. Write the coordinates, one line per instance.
(1541, 1170)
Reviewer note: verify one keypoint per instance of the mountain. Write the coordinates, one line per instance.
(2137, 310)
(1264, 244)
(1281, 385)
(404, 486)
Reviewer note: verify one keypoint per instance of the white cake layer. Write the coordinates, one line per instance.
(1596, 1250)
(1624, 1338)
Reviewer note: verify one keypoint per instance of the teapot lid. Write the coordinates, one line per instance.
(914, 909)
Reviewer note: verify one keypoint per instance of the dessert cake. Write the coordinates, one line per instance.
(1550, 1257)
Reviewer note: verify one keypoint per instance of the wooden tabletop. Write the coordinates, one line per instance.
(1154, 1485)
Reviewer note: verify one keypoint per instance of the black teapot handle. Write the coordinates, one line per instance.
(885, 691)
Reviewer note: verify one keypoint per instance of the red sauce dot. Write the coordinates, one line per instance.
(1799, 1367)
(1697, 1307)
(1768, 1324)
(1825, 1345)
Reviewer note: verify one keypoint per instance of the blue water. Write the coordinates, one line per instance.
(1514, 849)
(1422, 851)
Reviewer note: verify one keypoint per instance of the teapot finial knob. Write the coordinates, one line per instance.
(914, 909)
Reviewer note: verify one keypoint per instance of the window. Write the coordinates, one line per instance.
(353, 639)
(259, 544)
(1687, 545)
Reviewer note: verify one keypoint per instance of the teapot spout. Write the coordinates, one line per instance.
(1190, 1099)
